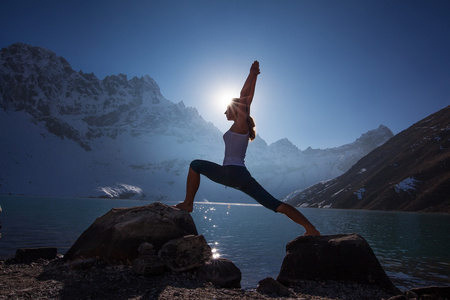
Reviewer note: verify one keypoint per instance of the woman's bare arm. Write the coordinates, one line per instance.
(248, 90)
(251, 80)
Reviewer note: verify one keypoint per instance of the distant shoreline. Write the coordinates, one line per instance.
(216, 203)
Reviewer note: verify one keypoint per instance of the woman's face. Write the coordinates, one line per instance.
(230, 113)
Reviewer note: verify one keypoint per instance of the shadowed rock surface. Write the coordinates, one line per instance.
(33, 254)
(117, 235)
(221, 272)
(343, 257)
(185, 253)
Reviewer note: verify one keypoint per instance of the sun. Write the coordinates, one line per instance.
(224, 96)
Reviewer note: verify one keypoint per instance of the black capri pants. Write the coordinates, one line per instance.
(237, 177)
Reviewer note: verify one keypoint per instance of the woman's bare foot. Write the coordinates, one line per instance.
(184, 206)
(312, 231)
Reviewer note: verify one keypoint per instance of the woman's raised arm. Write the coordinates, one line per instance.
(248, 90)
(251, 80)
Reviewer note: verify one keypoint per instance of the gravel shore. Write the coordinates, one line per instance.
(55, 279)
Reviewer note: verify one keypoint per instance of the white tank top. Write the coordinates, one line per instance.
(235, 148)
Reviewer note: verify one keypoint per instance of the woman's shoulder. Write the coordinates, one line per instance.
(238, 129)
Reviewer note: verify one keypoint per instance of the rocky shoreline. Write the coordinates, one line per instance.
(59, 279)
(56, 279)
(155, 252)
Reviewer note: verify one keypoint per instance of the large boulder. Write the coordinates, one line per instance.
(343, 257)
(185, 253)
(116, 236)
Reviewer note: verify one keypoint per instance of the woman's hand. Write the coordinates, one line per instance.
(254, 69)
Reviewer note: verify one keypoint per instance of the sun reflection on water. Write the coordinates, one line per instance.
(215, 253)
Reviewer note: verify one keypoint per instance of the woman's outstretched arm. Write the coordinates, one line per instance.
(251, 80)
(248, 90)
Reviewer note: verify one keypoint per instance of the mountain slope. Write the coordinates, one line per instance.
(282, 167)
(68, 133)
(410, 172)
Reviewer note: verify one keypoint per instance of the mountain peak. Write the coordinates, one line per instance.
(38, 82)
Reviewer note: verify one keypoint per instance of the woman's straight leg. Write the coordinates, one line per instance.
(296, 216)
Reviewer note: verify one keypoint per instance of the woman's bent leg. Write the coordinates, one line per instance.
(192, 185)
(211, 170)
(298, 218)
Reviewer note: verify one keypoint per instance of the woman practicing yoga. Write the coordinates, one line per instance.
(233, 172)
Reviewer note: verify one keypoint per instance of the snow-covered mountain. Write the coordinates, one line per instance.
(282, 167)
(68, 133)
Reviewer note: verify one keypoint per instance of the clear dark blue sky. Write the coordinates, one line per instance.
(330, 70)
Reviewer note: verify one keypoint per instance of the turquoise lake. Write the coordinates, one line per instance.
(413, 248)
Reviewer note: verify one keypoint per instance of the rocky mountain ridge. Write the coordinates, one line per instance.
(69, 133)
(410, 172)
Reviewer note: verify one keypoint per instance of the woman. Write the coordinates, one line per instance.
(233, 172)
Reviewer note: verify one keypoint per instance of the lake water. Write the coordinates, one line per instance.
(413, 248)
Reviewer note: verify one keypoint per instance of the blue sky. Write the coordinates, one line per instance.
(330, 70)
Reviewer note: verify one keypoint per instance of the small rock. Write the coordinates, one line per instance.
(399, 297)
(221, 272)
(271, 286)
(84, 264)
(34, 254)
(146, 249)
(436, 292)
(185, 253)
(150, 265)
(411, 294)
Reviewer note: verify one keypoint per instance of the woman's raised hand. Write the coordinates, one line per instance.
(255, 68)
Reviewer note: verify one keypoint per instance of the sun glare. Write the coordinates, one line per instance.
(224, 97)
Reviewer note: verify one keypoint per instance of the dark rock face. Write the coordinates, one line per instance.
(344, 257)
(410, 172)
(221, 272)
(430, 292)
(33, 254)
(185, 253)
(148, 263)
(117, 235)
(154, 239)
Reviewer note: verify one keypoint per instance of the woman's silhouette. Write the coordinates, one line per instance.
(233, 172)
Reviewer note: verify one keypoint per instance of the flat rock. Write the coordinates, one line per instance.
(116, 236)
(343, 257)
